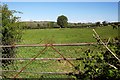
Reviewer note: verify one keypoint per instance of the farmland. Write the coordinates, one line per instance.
(45, 36)
(60, 40)
(65, 35)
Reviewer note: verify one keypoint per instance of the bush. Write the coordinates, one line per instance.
(11, 32)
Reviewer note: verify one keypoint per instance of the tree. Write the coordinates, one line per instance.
(11, 32)
(97, 23)
(62, 21)
(104, 23)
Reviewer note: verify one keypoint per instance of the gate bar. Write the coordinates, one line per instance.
(42, 45)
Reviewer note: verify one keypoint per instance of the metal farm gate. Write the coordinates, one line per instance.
(46, 61)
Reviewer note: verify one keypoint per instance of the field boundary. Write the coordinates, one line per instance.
(52, 46)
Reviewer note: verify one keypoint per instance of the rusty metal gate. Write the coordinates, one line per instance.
(45, 61)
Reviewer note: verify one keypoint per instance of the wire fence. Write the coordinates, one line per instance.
(44, 60)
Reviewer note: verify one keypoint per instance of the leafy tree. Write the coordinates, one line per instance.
(62, 21)
(11, 32)
(97, 23)
(104, 23)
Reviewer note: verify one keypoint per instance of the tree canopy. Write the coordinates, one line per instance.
(104, 23)
(62, 21)
(97, 23)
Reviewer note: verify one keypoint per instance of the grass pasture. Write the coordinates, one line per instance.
(67, 35)
(40, 36)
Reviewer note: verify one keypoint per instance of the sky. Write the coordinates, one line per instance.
(60, 0)
(75, 11)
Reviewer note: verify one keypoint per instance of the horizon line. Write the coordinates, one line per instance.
(68, 21)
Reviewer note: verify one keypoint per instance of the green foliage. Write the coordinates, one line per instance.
(39, 24)
(11, 28)
(104, 23)
(50, 24)
(62, 21)
(97, 23)
(100, 63)
(11, 31)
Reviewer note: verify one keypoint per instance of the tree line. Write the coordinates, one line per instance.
(52, 24)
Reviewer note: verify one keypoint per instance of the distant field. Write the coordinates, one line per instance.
(66, 35)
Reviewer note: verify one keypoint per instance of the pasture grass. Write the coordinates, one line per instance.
(66, 35)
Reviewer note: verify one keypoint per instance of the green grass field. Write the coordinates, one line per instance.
(39, 36)
(67, 35)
